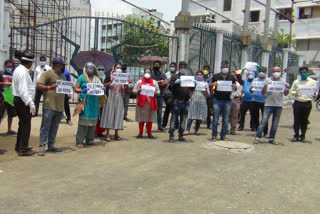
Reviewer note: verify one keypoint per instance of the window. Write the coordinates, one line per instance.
(103, 39)
(109, 27)
(308, 44)
(103, 27)
(285, 11)
(113, 38)
(305, 13)
(255, 16)
(227, 5)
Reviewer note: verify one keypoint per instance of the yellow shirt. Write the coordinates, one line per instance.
(294, 91)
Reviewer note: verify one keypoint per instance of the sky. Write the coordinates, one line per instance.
(170, 8)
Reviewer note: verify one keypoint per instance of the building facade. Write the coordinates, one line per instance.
(305, 29)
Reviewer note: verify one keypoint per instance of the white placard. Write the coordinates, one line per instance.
(95, 89)
(224, 85)
(187, 81)
(276, 86)
(307, 90)
(120, 78)
(258, 85)
(200, 86)
(147, 90)
(64, 87)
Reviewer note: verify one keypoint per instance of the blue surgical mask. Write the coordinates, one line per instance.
(262, 74)
(8, 70)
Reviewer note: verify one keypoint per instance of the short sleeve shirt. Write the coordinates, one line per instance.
(222, 95)
(158, 77)
(51, 100)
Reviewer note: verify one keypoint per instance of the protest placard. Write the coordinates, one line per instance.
(200, 86)
(64, 87)
(187, 81)
(257, 85)
(276, 86)
(147, 90)
(224, 85)
(120, 78)
(308, 90)
(95, 89)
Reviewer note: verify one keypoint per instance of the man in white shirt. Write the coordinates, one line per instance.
(23, 91)
(37, 74)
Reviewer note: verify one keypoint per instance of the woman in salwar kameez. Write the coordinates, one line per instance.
(113, 109)
(88, 118)
(146, 109)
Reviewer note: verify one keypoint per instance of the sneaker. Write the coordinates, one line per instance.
(272, 141)
(256, 141)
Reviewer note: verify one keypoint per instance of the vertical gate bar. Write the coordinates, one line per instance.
(96, 29)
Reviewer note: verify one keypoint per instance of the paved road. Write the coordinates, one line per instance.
(153, 176)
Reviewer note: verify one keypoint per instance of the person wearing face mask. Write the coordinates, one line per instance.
(5, 84)
(258, 100)
(273, 106)
(222, 101)
(167, 95)
(303, 104)
(23, 90)
(161, 78)
(181, 96)
(113, 109)
(235, 105)
(88, 118)
(146, 109)
(42, 67)
(198, 104)
(246, 101)
(208, 78)
(53, 105)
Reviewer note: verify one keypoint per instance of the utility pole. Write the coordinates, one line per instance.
(267, 20)
(246, 17)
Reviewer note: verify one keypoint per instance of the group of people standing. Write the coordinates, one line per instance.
(228, 94)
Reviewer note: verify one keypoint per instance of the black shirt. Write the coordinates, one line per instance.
(179, 93)
(222, 95)
(157, 77)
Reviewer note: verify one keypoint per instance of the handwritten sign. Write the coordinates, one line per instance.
(307, 90)
(200, 86)
(120, 78)
(276, 86)
(257, 85)
(187, 81)
(224, 85)
(64, 87)
(147, 90)
(95, 89)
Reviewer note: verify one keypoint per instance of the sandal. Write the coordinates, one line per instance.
(117, 138)
(197, 133)
(80, 146)
(41, 152)
(108, 139)
(186, 133)
(214, 138)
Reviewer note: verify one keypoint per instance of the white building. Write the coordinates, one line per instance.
(6, 10)
(306, 27)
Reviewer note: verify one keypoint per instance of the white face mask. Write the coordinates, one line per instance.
(172, 69)
(224, 70)
(42, 63)
(119, 70)
(147, 75)
(276, 75)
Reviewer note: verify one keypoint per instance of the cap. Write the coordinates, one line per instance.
(58, 61)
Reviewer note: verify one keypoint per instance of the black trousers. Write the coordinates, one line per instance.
(37, 99)
(301, 112)
(167, 112)
(210, 111)
(245, 106)
(24, 129)
(67, 108)
(258, 107)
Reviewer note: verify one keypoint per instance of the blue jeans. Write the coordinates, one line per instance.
(220, 107)
(49, 127)
(180, 109)
(159, 111)
(276, 113)
(197, 127)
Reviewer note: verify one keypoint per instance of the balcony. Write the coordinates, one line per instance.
(303, 28)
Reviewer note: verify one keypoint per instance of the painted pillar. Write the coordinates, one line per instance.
(219, 46)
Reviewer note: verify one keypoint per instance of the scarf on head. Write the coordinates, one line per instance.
(143, 99)
(95, 78)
